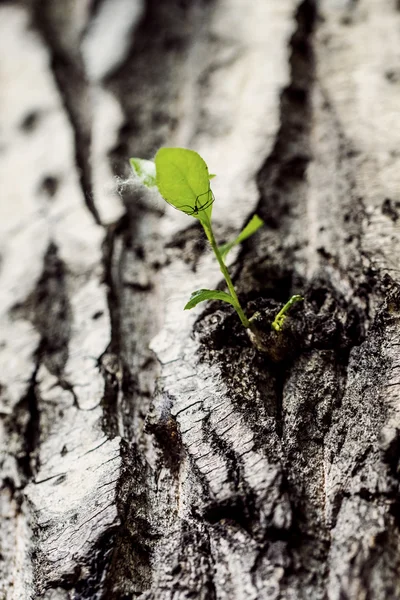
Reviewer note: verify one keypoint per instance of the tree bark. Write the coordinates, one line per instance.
(152, 453)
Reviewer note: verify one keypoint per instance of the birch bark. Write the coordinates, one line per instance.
(147, 452)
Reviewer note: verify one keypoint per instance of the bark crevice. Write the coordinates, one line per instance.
(69, 75)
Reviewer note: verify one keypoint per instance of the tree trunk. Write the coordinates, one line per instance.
(152, 453)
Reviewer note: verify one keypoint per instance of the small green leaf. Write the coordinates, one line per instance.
(211, 176)
(201, 295)
(183, 181)
(145, 170)
(252, 226)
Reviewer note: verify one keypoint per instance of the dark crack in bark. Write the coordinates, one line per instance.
(49, 311)
(285, 168)
(111, 361)
(69, 75)
(130, 572)
(25, 422)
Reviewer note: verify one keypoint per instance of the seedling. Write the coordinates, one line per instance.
(277, 323)
(183, 180)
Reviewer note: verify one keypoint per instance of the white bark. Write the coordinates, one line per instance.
(150, 452)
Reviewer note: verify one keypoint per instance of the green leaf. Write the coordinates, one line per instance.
(201, 295)
(145, 170)
(252, 226)
(183, 181)
(211, 176)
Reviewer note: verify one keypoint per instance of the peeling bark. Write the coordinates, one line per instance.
(152, 453)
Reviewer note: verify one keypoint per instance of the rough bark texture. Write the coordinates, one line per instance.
(147, 452)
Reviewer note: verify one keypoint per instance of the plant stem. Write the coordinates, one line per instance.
(225, 273)
(280, 317)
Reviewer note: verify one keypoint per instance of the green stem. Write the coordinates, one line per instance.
(225, 273)
(280, 317)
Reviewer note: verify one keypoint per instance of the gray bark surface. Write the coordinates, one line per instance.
(152, 453)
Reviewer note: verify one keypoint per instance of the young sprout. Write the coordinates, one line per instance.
(183, 180)
(277, 323)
